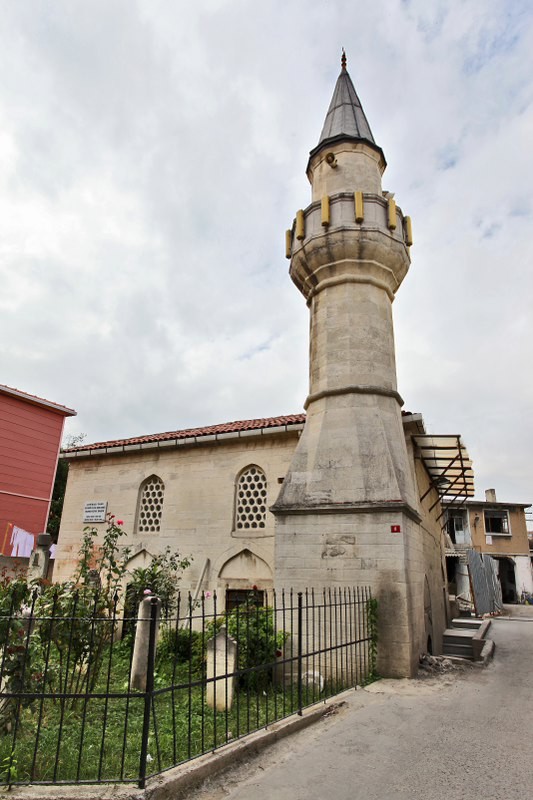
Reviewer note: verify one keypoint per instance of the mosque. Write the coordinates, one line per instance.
(348, 493)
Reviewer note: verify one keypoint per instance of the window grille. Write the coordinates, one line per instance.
(251, 498)
(151, 505)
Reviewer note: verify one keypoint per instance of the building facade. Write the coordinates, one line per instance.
(205, 492)
(497, 529)
(31, 429)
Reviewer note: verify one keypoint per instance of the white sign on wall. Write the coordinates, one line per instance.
(95, 511)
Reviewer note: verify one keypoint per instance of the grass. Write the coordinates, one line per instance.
(94, 739)
(98, 736)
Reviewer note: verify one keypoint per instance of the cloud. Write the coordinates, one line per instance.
(152, 155)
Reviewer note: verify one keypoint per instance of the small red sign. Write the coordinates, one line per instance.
(395, 529)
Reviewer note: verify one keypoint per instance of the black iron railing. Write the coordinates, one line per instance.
(72, 709)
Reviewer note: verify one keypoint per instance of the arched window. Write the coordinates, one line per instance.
(251, 499)
(151, 495)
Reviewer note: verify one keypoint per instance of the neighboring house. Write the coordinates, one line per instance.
(31, 429)
(498, 529)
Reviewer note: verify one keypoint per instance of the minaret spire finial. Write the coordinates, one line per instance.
(343, 59)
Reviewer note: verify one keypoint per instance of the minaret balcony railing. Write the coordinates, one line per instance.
(378, 213)
(327, 243)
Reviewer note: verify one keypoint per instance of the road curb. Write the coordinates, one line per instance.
(172, 785)
(487, 652)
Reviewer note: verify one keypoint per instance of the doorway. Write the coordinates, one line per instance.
(506, 575)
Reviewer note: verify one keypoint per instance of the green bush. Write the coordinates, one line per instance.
(258, 642)
(161, 576)
(182, 646)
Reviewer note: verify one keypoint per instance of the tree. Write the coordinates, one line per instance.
(60, 485)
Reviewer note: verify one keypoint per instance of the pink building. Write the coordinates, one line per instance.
(31, 430)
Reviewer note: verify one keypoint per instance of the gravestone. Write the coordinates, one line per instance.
(221, 664)
(40, 558)
(139, 662)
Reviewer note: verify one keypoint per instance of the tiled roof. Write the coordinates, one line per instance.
(37, 401)
(194, 433)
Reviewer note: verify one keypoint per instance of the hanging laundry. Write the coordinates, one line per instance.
(22, 543)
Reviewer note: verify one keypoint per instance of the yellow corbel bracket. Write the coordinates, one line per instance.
(325, 211)
(408, 231)
(359, 206)
(300, 225)
(288, 243)
(391, 214)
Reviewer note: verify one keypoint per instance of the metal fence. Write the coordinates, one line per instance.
(70, 711)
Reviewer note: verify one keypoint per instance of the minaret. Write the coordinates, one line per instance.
(348, 506)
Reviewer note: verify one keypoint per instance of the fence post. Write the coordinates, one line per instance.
(299, 654)
(154, 609)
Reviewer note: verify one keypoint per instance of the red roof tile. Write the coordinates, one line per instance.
(191, 433)
(210, 430)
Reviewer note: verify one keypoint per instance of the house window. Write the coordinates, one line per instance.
(497, 523)
(250, 499)
(151, 496)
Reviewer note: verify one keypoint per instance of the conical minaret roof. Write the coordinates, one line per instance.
(345, 118)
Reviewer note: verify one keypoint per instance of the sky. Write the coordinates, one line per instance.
(153, 153)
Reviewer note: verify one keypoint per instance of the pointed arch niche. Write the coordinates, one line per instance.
(241, 574)
(150, 505)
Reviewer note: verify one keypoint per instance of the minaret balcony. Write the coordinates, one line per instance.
(363, 237)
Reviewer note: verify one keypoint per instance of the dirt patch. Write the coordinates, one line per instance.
(442, 665)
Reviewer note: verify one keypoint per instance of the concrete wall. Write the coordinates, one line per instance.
(523, 575)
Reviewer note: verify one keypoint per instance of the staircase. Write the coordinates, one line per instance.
(465, 639)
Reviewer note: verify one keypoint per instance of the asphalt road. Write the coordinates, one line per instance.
(461, 735)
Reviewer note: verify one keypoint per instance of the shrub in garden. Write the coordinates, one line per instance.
(72, 623)
(182, 646)
(14, 593)
(258, 642)
(161, 576)
(53, 636)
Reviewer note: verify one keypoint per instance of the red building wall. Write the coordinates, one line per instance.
(30, 437)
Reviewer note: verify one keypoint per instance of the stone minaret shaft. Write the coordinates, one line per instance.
(349, 254)
(348, 506)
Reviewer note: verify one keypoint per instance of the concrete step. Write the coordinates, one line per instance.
(458, 642)
(467, 622)
(458, 651)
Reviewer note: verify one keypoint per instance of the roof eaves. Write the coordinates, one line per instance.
(37, 401)
(128, 446)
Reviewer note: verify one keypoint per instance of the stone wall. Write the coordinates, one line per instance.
(198, 509)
